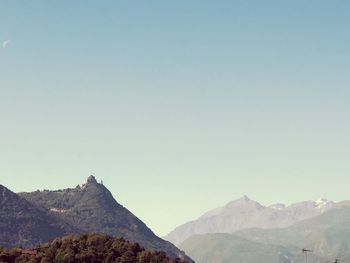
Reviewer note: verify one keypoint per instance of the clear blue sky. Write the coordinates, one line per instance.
(178, 106)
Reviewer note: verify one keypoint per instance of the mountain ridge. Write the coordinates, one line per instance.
(87, 208)
(245, 213)
(327, 235)
(24, 220)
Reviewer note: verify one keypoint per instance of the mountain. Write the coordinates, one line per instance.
(327, 235)
(245, 213)
(89, 208)
(86, 248)
(229, 248)
(22, 223)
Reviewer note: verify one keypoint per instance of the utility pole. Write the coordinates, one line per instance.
(305, 251)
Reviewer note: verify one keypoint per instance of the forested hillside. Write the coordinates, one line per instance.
(86, 248)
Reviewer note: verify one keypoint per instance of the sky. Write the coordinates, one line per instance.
(178, 106)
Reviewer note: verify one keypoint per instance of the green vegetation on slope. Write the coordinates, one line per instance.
(328, 235)
(85, 249)
(228, 248)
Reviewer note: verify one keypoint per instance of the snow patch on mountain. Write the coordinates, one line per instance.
(245, 213)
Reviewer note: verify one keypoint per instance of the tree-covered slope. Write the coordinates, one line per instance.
(85, 249)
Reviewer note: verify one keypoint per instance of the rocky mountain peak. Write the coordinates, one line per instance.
(243, 202)
(91, 180)
(245, 198)
(91, 208)
(245, 213)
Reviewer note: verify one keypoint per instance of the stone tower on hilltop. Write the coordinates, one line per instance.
(91, 180)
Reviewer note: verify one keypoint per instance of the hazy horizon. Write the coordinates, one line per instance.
(179, 107)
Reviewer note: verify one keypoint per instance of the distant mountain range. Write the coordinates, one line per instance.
(27, 219)
(327, 235)
(245, 213)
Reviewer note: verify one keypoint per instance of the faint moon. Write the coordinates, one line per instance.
(6, 43)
